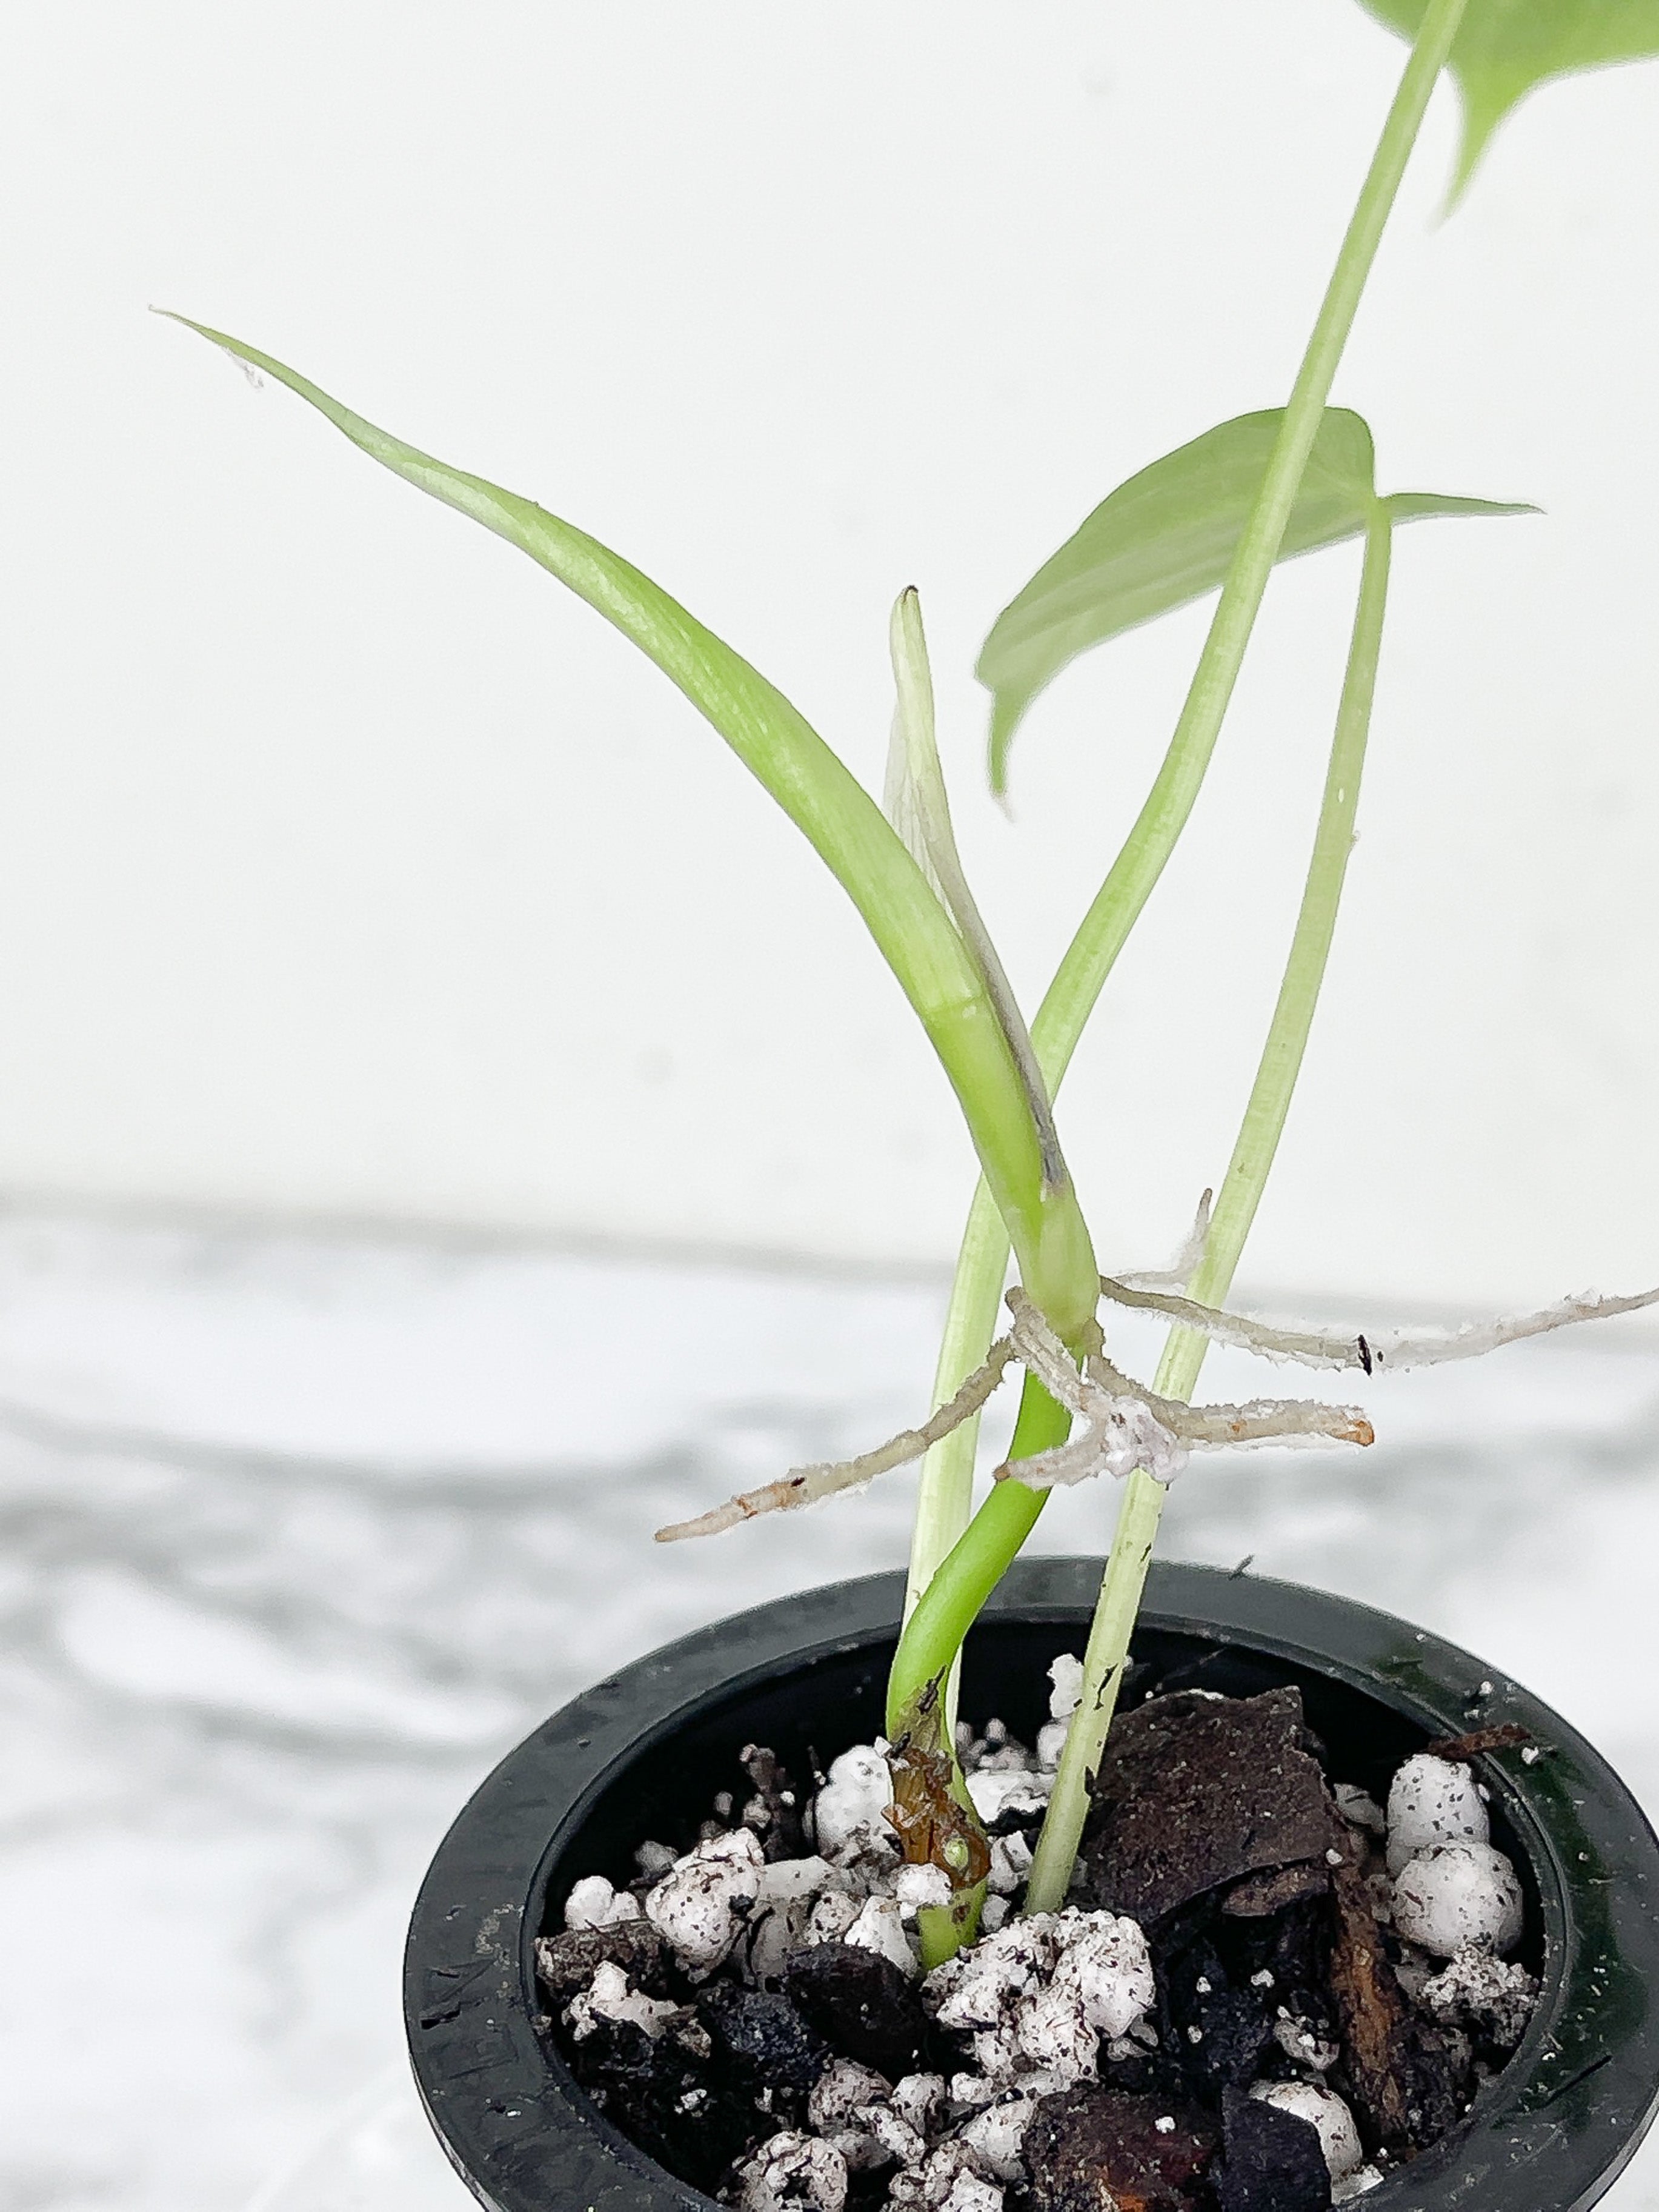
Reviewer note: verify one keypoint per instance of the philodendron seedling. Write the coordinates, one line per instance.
(1219, 512)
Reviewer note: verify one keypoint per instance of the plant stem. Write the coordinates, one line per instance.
(1241, 1193)
(976, 1563)
(930, 1649)
(945, 1494)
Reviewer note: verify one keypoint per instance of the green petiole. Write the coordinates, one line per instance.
(973, 1561)
(1240, 1194)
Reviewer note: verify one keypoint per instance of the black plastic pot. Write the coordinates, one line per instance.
(640, 1754)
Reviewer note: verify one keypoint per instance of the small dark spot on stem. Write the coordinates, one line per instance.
(1367, 1358)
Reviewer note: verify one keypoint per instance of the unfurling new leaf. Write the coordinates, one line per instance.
(1167, 537)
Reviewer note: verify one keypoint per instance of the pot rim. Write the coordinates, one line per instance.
(525, 2139)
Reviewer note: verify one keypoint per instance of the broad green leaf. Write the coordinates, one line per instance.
(1505, 47)
(817, 792)
(1167, 537)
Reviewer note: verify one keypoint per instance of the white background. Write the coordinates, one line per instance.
(349, 873)
(348, 869)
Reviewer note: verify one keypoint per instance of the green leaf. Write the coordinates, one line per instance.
(1505, 47)
(1167, 537)
(819, 793)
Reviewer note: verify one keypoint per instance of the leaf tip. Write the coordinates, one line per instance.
(1481, 116)
(1006, 714)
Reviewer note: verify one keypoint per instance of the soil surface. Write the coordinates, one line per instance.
(1243, 2008)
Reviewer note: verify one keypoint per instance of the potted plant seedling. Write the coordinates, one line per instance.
(1167, 1949)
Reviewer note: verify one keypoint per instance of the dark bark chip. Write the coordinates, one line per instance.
(1196, 1791)
(863, 2006)
(565, 1963)
(1406, 2077)
(667, 2103)
(1271, 2161)
(1092, 2149)
(762, 2048)
(1260, 1894)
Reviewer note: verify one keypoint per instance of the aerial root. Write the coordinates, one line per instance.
(1124, 1425)
(807, 1486)
(1372, 1351)
(1179, 1272)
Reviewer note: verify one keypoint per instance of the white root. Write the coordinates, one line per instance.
(1301, 1348)
(1261, 1421)
(1369, 1350)
(1179, 1272)
(1395, 1349)
(1125, 1426)
(807, 1486)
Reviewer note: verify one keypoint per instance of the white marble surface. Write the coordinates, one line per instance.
(300, 1532)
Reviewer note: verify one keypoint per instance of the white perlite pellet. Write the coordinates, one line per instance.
(794, 2173)
(592, 1903)
(1338, 2138)
(1066, 1675)
(1050, 1743)
(915, 1887)
(950, 2179)
(996, 2134)
(1106, 1965)
(788, 1881)
(1478, 1988)
(850, 1810)
(1458, 1893)
(610, 1996)
(893, 2135)
(1011, 1862)
(880, 1928)
(1355, 2184)
(831, 1915)
(1051, 2032)
(841, 2091)
(920, 2098)
(1038, 1993)
(995, 1790)
(701, 1905)
(1433, 1801)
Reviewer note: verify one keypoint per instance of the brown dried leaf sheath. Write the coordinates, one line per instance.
(934, 1828)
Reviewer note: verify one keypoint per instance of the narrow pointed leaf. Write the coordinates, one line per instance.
(920, 789)
(1167, 537)
(814, 789)
(1505, 47)
(901, 798)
